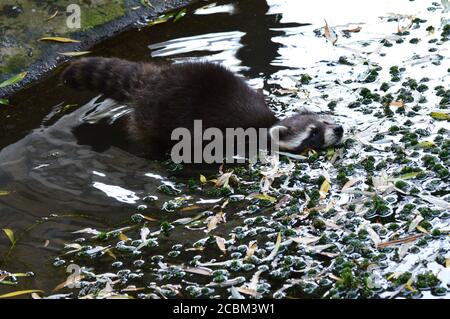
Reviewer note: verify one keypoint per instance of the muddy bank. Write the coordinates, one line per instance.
(23, 23)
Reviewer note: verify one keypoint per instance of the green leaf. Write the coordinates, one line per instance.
(179, 15)
(17, 78)
(426, 145)
(19, 293)
(265, 197)
(4, 102)
(10, 235)
(162, 19)
(409, 175)
(440, 116)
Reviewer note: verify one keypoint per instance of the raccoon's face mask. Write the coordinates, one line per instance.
(295, 134)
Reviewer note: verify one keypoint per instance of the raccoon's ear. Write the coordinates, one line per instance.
(277, 131)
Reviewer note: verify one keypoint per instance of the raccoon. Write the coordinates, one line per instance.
(168, 96)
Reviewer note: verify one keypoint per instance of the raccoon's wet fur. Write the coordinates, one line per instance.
(169, 96)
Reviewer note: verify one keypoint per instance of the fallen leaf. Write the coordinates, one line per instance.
(75, 53)
(70, 281)
(306, 240)
(224, 179)
(440, 116)
(409, 286)
(221, 244)
(264, 197)
(350, 183)
(329, 34)
(426, 145)
(409, 175)
(198, 270)
(180, 15)
(203, 179)
(58, 39)
(10, 234)
(436, 201)
(161, 19)
(147, 3)
(275, 249)
(249, 291)
(13, 80)
(324, 188)
(252, 247)
(415, 222)
(213, 221)
(4, 193)
(52, 16)
(150, 219)
(4, 102)
(399, 103)
(189, 208)
(399, 241)
(423, 230)
(354, 30)
(19, 293)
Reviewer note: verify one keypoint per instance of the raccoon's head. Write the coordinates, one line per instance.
(306, 130)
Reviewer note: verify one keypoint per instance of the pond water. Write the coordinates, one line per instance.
(52, 185)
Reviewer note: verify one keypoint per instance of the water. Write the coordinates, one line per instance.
(57, 185)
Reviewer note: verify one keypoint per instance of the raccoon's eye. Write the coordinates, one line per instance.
(314, 132)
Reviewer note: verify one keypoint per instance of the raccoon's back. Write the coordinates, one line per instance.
(115, 78)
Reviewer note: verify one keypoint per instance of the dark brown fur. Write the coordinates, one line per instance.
(170, 96)
(165, 97)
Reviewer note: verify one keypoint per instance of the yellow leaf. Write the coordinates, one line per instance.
(447, 263)
(252, 246)
(324, 188)
(423, 230)
(265, 197)
(203, 179)
(440, 116)
(15, 79)
(426, 145)
(189, 208)
(79, 53)
(150, 219)
(10, 235)
(19, 293)
(123, 237)
(52, 16)
(4, 193)
(109, 252)
(58, 39)
(409, 283)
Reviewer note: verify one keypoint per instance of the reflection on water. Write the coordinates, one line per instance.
(48, 171)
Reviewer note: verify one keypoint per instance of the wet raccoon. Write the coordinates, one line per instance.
(166, 97)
